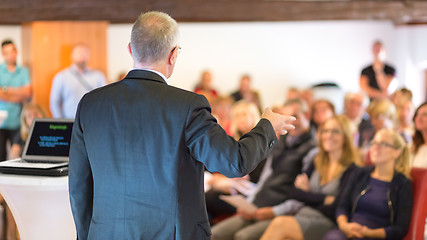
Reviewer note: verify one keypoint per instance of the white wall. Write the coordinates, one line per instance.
(12, 32)
(119, 59)
(279, 54)
(412, 59)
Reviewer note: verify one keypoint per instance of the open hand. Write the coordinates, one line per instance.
(281, 124)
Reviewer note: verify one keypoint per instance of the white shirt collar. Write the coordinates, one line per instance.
(154, 71)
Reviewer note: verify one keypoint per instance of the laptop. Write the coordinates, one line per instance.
(46, 150)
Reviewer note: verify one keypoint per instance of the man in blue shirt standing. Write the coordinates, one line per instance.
(15, 89)
(72, 83)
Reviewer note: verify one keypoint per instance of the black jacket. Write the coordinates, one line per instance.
(286, 165)
(399, 194)
(316, 200)
(137, 155)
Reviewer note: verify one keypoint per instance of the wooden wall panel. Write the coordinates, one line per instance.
(47, 47)
(126, 11)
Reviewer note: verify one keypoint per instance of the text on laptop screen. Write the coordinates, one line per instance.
(50, 139)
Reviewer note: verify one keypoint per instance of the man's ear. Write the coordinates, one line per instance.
(130, 50)
(172, 57)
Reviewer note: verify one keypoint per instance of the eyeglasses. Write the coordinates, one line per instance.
(380, 117)
(173, 49)
(383, 145)
(332, 131)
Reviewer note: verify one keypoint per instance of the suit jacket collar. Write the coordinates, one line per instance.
(145, 75)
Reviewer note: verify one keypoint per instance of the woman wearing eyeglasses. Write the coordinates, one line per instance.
(383, 116)
(377, 202)
(319, 193)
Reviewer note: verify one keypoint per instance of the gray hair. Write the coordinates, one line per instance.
(350, 95)
(302, 105)
(153, 37)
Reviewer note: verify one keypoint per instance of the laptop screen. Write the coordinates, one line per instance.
(48, 140)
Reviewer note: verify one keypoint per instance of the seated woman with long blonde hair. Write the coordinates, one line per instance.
(30, 111)
(319, 193)
(377, 203)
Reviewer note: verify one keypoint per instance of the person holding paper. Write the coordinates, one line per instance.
(319, 191)
(244, 117)
(276, 181)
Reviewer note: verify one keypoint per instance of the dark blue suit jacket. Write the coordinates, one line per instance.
(136, 160)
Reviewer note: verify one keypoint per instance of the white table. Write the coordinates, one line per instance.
(40, 206)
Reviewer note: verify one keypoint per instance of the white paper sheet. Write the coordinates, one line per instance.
(240, 202)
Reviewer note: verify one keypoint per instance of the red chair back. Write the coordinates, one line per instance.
(419, 211)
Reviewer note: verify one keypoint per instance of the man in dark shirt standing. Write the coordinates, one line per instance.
(375, 79)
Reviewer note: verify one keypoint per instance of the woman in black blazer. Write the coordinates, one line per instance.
(377, 203)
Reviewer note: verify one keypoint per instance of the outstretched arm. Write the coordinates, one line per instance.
(209, 144)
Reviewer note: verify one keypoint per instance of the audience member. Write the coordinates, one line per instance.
(205, 88)
(276, 180)
(383, 115)
(70, 84)
(244, 117)
(30, 111)
(355, 104)
(221, 110)
(376, 79)
(246, 92)
(293, 93)
(139, 147)
(419, 140)
(307, 96)
(321, 110)
(15, 90)
(377, 201)
(321, 192)
(402, 94)
(405, 113)
(402, 100)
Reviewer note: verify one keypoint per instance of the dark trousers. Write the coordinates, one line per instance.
(217, 207)
(5, 136)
